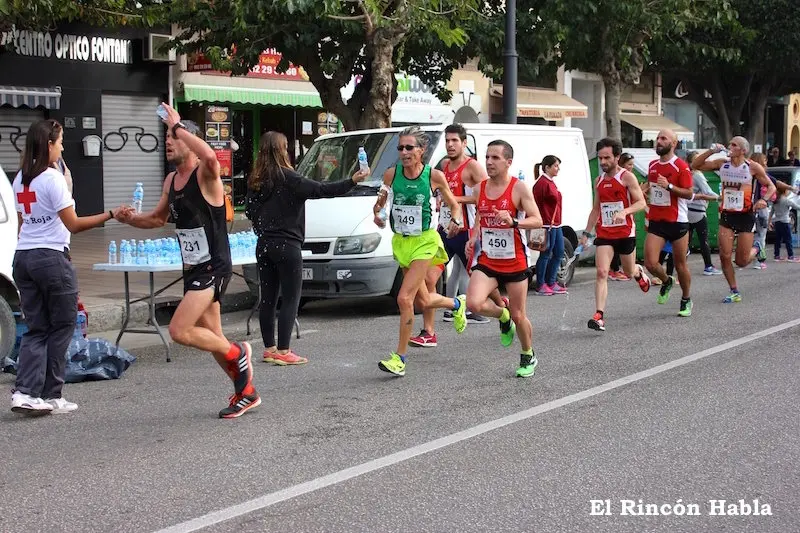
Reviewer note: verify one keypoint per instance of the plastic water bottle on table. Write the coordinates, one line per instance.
(112, 253)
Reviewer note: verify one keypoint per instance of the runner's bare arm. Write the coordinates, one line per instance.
(637, 198)
(761, 175)
(594, 214)
(383, 193)
(474, 174)
(700, 161)
(533, 218)
(475, 232)
(439, 182)
(155, 218)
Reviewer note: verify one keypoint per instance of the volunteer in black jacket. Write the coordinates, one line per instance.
(276, 197)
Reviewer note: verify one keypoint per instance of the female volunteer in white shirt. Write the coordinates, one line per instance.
(44, 276)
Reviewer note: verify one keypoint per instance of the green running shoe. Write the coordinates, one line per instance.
(663, 295)
(507, 331)
(686, 308)
(527, 366)
(460, 314)
(732, 298)
(393, 365)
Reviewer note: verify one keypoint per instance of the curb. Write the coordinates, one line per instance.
(108, 317)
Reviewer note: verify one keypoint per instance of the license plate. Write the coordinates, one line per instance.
(308, 274)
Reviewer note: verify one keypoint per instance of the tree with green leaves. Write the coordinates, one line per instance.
(615, 38)
(747, 54)
(46, 14)
(334, 41)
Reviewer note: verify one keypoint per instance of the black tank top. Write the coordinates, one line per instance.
(201, 229)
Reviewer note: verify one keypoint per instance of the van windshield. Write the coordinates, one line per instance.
(336, 158)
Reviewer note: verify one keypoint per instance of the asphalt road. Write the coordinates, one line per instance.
(658, 409)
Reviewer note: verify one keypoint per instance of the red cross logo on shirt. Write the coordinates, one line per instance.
(26, 198)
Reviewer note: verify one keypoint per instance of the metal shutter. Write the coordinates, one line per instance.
(140, 157)
(12, 123)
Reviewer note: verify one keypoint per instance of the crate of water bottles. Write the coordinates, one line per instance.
(167, 252)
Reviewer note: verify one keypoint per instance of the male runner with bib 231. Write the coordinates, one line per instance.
(737, 210)
(194, 196)
(505, 208)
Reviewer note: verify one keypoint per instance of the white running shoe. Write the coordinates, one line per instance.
(28, 405)
(61, 406)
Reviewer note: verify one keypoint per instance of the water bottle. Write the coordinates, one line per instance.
(125, 252)
(112, 253)
(80, 325)
(363, 164)
(719, 148)
(138, 196)
(382, 214)
(161, 111)
(141, 254)
(164, 256)
(175, 251)
(521, 175)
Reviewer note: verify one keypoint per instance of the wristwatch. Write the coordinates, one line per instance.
(175, 128)
(669, 186)
(514, 223)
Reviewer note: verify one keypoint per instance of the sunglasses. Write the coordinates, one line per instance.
(406, 147)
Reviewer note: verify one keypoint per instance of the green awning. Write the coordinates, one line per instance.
(210, 93)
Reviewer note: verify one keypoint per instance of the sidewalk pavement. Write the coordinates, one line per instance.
(103, 293)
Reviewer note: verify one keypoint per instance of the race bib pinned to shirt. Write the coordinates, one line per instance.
(607, 212)
(498, 243)
(407, 219)
(733, 200)
(445, 216)
(659, 196)
(194, 246)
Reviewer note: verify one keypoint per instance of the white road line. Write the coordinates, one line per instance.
(341, 476)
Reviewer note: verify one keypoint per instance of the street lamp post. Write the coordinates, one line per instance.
(510, 65)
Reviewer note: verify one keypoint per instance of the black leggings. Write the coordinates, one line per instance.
(702, 235)
(667, 256)
(280, 269)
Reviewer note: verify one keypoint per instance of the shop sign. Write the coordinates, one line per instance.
(265, 68)
(218, 126)
(68, 47)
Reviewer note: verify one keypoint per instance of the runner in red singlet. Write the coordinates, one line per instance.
(505, 208)
(617, 197)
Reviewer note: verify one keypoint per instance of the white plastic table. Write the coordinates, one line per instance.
(154, 327)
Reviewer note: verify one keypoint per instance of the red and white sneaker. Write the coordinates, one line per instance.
(423, 340)
(240, 404)
(621, 276)
(559, 289)
(643, 280)
(597, 323)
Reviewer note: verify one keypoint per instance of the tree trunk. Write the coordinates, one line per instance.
(755, 122)
(378, 109)
(613, 91)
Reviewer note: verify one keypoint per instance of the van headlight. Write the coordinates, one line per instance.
(358, 244)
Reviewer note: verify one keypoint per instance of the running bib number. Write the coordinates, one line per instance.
(445, 216)
(498, 243)
(733, 200)
(607, 212)
(194, 246)
(659, 196)
(407, 219)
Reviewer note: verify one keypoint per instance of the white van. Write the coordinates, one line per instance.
(9, 297)
(347, 255)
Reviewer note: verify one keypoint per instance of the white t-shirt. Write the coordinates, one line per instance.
(39, 204)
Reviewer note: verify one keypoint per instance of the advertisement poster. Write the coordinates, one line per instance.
(265, 68)
(225, 158)
(218, 127)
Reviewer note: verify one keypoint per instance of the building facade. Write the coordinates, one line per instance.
(103, 86)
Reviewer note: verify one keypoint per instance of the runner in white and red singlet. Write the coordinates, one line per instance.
(617, 197)
(505, 208)
(670, 185)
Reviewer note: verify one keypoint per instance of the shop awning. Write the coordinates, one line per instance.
(652, 124)
(543, 103)
(49, 98)
(247, 95)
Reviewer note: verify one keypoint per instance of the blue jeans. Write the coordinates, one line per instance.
(783, 235)
(550, 260)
